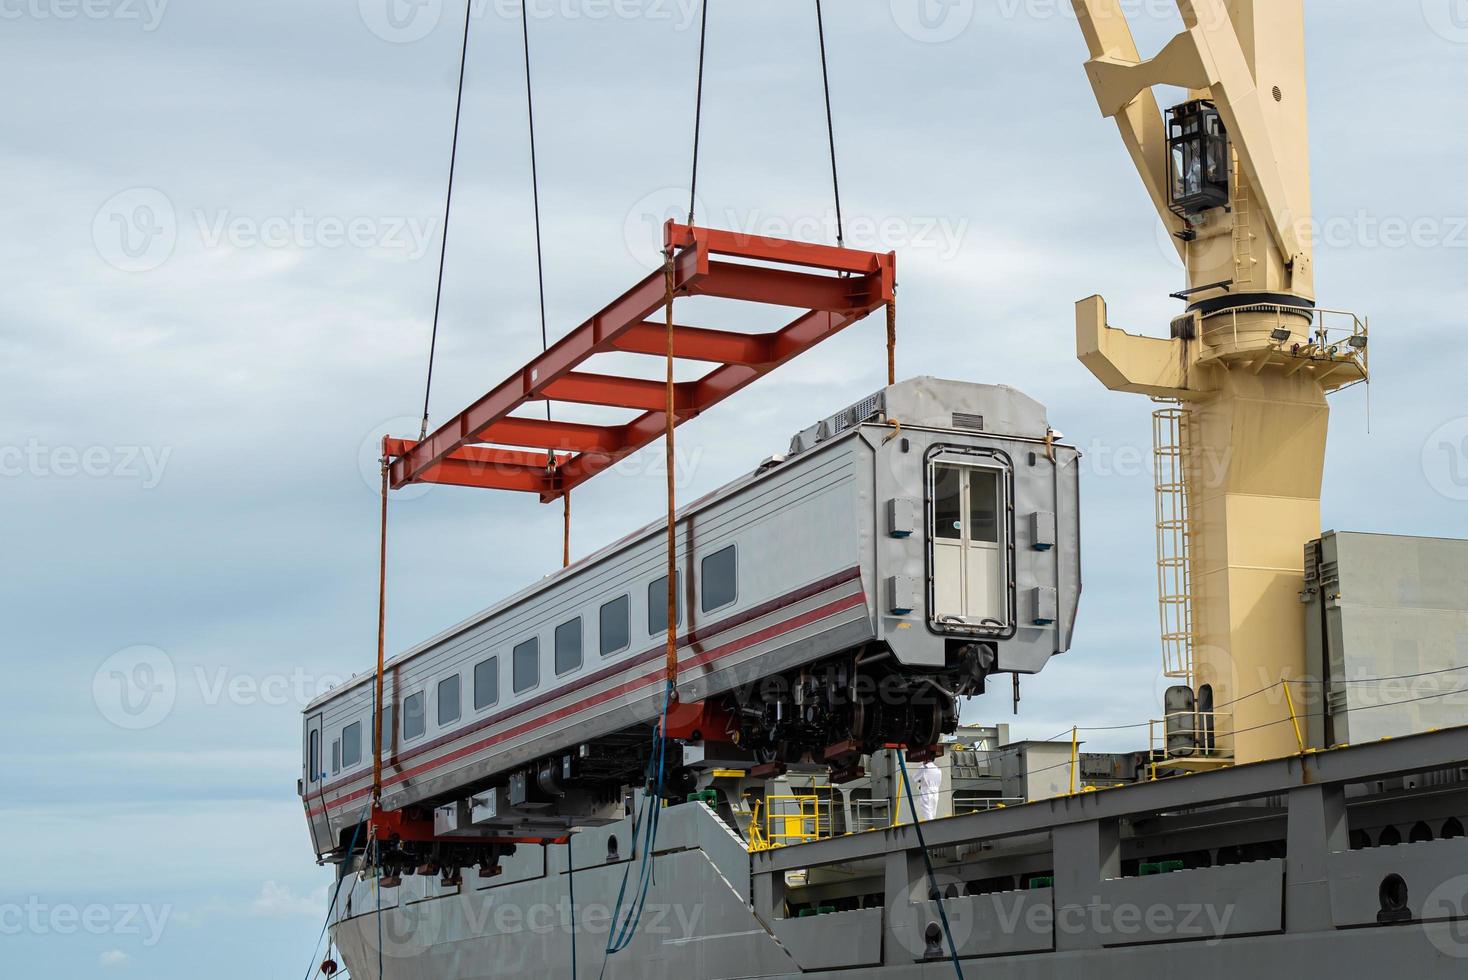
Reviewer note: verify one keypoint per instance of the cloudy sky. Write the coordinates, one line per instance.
(216, 280)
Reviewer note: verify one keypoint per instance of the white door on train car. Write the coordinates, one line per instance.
(967, 536)
(312, 761)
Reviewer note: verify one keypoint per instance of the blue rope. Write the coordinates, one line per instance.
(335, 895)
(928, 863)
(647, 822)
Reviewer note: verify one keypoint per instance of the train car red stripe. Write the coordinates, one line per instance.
(646, 679)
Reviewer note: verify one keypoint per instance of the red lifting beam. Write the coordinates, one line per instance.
(848, 285)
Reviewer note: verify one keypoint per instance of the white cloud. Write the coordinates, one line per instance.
(273, 901)
(279, 901)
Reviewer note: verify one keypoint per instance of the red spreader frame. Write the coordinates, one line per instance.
(831, 287)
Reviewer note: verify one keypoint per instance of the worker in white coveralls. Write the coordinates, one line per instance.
(929, 788)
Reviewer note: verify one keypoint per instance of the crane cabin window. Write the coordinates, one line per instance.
(657, 604)
(568, 646)
(486, 683)
(969, 557)
(615, 633)
(718, 579)
(351, 745)
(414, 716)
(525, 665)
(448, 700)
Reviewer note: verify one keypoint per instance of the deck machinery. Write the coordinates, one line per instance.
(1247, 841)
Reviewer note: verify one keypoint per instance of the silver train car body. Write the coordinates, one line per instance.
(932, 517)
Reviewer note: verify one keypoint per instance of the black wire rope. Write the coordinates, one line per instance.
(703, 36)
(447, 208)
(830, 126)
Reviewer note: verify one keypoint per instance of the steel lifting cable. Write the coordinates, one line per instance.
(831, 143)
(836, 192)
(540, 270)
(447, 208)
(937, 896)
(571, 894)
(830, 126)
(703, 35)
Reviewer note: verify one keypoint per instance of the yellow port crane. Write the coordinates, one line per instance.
(1243, 374)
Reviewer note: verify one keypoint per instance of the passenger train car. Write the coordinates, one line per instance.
(843, 596)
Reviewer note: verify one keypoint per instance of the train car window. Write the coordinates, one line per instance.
(948, 502)
(448, 700)
(351, 745)
(314, 757)
(486, 683)
(984, 506)
(568, 646)
(616, 626)
(719, 579)
(657, 604)
(414, 717)
(336, 756)
(526, 665)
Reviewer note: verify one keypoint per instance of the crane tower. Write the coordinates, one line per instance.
(1244, 373)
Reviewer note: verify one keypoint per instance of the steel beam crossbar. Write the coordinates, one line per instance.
(831, 288)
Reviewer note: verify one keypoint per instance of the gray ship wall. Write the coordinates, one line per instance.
(1319, 907)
